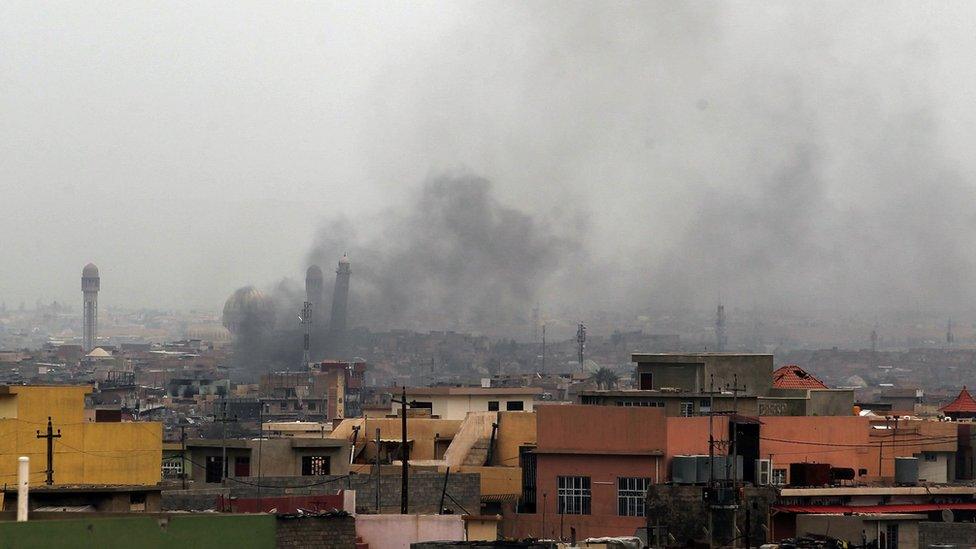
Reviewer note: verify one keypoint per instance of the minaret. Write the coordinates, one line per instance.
(950, 337)
(313, 289)
(89, 289)
(340, 297)
(721, 337)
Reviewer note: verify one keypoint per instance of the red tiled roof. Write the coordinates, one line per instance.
(963, 403)
(792, 376)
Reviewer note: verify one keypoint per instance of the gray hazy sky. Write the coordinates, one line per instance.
(774, 153)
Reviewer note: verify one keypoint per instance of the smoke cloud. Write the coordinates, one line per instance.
(452, 256)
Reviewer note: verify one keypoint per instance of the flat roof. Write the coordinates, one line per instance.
(465, 391)
(655, 393)
(698, 355)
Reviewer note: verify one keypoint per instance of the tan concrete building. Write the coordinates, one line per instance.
(281, 457)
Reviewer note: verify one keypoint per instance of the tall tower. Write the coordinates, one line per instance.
(89, 289)
(340, 297)
(721, 336)
(313, 289)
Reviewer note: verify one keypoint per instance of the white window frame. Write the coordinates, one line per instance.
(778, 477)
(574, 495)
(631, 496)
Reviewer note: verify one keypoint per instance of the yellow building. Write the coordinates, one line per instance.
(87, 452)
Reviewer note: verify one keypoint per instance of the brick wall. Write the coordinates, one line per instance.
(326, 532)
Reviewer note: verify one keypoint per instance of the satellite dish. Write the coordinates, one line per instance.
(947, 515)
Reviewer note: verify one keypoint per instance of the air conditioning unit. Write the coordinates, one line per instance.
(764, 472)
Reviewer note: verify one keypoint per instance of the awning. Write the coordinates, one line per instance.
(874, 509)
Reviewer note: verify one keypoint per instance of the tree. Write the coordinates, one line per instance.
(605, 378)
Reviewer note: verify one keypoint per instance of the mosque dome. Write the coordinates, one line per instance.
(248, 307)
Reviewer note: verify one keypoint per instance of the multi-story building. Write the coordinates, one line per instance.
(456, 402)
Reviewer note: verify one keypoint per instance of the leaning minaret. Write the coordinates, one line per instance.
(89, 288)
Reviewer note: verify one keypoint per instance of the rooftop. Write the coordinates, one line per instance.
(470, 391)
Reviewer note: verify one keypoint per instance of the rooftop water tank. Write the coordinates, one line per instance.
(684, 470)
(906, 470)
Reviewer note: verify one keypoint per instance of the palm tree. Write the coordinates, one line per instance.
(605, 378)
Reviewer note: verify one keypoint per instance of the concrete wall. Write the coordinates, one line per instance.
(458, 406)
(610, 429)
(276, 457)
(684, 376)
(852, 528)
(399, 531)
(833, 402)
(936, 471)
(683, 370)
(421, 430)
(603, 470)
(515, 429)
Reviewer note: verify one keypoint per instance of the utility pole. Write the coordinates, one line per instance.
(581, 340)
(224, 420)
(50, 436)
(734, 451)
(183, 454)
(260, 442)
(711, 461)
(377, 470)
(404, 451)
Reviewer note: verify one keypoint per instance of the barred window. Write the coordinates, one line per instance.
(574, 495)
(631, 493)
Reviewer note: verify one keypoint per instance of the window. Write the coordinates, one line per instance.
(574, 495)
(890, 540)
(527, 462)
(311, 406)
(172, 467)
(515, 406)
(779, 477)
(687, 409)
(930, 456)
(631, 494)
(242, 466)
(492, 405)
(646, 381)
(705, 405)
(315, 465)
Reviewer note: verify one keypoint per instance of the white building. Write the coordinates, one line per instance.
(456, 402)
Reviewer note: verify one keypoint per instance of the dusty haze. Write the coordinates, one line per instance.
(586, 155)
